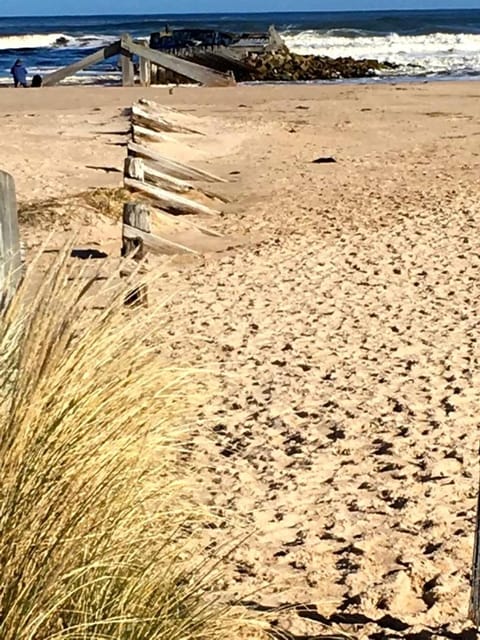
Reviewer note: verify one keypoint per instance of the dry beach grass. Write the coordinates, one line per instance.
(97, 522)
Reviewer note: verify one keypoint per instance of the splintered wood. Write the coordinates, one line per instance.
(167, 188)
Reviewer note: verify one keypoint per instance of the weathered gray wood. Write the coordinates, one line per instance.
(59, 75)
(146, 116)
(474, 607)
(128, 73)
(275, 40)
(145, 72)
(134, 168)
(154, 243)
(167, 199)
(161, 179)
(186, 224)
(137, 169)
(203, 75)
(136, 215)
(10, 249)
(141, 134)
(171, 183)
(173, 168)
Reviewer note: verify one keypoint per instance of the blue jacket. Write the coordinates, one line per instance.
(19, 73)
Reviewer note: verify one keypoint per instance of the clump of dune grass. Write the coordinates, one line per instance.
(95, 521)
(106, 201)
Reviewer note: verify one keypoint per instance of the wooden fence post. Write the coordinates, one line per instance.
(134, 168)
(10, 256)
(474, 609)
(137, 215)
(145, 72)
(128, 76)
(128, 72)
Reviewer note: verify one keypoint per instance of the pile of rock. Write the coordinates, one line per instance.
(283, 65)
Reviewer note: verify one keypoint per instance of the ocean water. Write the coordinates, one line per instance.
(432, 44)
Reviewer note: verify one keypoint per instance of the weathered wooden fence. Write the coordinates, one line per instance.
(167, 189)
(10, 251)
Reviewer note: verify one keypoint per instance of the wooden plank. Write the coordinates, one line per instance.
(147, 117)
(136, 215)
(173, 221)
(145, 72)
(103, 54)
(167, 199)
(128, 73)
(140, 170)
(141, 134)
(474, 607)
(172, 167)
(175, 184)
(10, 249)
(203, 75)
(154, 243)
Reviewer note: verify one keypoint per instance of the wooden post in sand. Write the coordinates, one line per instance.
(145, 72)
(10, 255)
(474, 609)
(128, 72)
(136, 215)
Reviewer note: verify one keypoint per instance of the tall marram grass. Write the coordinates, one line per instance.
(93, 517)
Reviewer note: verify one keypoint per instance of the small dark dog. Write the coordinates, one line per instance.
(37, 81)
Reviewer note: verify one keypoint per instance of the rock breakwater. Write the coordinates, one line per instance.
(283, 65)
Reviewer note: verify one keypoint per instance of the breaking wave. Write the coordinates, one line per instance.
(435, 53)
(52, 40)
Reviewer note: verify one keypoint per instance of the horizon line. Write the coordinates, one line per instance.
(236, 13)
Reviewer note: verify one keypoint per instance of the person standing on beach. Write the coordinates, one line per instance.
(19, 73)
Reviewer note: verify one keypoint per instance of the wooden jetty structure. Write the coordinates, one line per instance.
(221, 51)
(127, 49)
(207, 57)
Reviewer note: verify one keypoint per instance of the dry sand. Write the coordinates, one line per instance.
(345, 420)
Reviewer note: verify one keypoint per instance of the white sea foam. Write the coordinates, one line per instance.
(432, 53)
(31, 41)
(48, 40)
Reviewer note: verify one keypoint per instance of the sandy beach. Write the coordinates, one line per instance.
(340, 334)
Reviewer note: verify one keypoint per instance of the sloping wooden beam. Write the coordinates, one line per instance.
(154, 243)
(203, 75)
(167, 199)
(149, 118)
(177, 221)
(140, 169)
(141, 134)
(175, 184)
(173, 168)
(103, 54)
